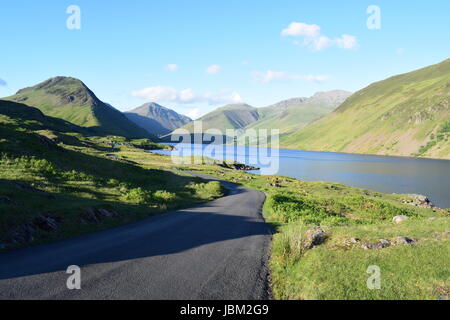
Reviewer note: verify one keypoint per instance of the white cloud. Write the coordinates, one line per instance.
(270, 75)
(213, 69)
(313, 39)
(158, 93)
(172, 67)
(194, 113)
(186, 96)
(346, 42)
(301, 29)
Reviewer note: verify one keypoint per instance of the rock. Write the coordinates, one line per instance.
(106, 213)
(90, 215)
(46, 223)
(404, 240)
(399, 219)
(419, 200)
(372, 246)
(5, 199)
(385, 243)
(354, 240)
(314, 237)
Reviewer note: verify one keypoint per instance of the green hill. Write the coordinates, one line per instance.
(70, 99)
(406, 115)
(235, 116)
(293, 114)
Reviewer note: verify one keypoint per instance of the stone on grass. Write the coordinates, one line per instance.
(314, 237)
(399, 219)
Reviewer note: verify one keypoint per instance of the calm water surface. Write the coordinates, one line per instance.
(385, 174)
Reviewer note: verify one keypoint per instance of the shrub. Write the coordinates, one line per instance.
(137, 196)
(208, 190)
(163, 196)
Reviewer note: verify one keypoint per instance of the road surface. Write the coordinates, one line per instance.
(218, 250)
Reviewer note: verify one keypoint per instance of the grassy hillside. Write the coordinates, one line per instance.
(236, 116)
(56, 182)
(71, 100)
(297, 114)
(405, 115)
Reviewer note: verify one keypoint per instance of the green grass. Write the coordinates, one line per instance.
(336, 270)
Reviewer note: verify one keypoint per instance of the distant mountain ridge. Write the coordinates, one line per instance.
(70, 99)
(287, 115)
(156, 119)
(405, 115)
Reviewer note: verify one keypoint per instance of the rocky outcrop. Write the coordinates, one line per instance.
(237, 166)
(420, 201)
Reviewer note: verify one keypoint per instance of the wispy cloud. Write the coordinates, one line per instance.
(3, 83)
(213, 69)
(311, 37)
(169, 94)
(270, 76)
(172, 67)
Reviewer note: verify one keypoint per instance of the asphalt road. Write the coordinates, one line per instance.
(214, 251)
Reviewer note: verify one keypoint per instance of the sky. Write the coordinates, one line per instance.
(195, 55)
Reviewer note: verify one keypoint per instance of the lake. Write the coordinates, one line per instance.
(429, 177)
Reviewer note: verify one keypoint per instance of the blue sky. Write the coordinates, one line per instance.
(131, 52)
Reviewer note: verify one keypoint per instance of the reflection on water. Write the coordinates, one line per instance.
(386, 174)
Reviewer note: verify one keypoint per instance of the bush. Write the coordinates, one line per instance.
(208, 190)
(137, 196)
(163, 196)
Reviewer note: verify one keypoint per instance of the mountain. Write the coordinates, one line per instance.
(406, 115)
(293, 114)
(233, 116)
(156, 119)
(287, 116)
(70, 99)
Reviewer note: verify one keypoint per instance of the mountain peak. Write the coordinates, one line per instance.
(156, 119)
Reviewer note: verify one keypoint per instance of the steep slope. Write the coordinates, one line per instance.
(156, 119)
(70, 99)
(405, 115)
(293, 114)
(235, 116)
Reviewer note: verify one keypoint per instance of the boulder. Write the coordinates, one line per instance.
(107, 213)
(404, 240)
(399, 219)
(46, 223)
(419, 200)
(314, 237)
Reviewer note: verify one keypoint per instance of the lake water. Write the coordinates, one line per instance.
(385, 174)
